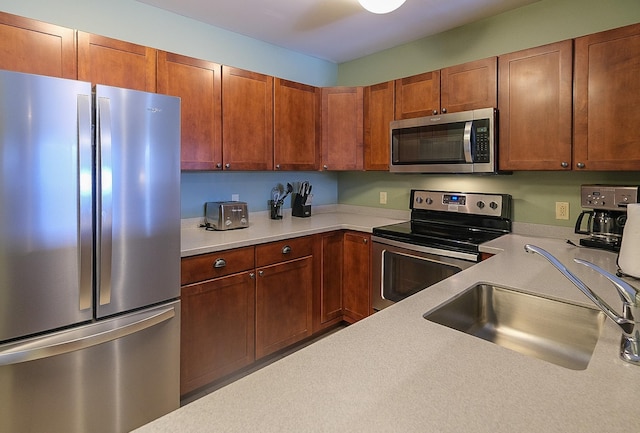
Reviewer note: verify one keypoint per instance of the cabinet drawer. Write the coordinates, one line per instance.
(214, 265)
(289, 249)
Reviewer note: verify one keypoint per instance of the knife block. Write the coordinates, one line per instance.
(299, 208)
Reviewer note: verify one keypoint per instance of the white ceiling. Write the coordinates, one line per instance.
(336, 30)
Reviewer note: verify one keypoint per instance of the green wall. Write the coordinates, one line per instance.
(546, 21)
(540, 23)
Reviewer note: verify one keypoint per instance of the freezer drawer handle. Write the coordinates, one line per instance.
(70, 341)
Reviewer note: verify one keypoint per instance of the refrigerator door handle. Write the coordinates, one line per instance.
(105, 200)
(73, 340)
(85, 192)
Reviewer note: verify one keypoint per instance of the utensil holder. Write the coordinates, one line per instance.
(275, 210)
(300, 209)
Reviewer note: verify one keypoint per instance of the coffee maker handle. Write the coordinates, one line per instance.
(578, 229)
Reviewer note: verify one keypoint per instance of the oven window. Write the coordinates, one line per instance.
(405, 274)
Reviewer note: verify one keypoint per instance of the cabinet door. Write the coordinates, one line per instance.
(328, 303)
(418, 95)
(247, 121)
(198, 84)
(35, 47)
(469, 86)
(342, 123)
(296, 140)
(116, 63)
(379, 111)
(607, 112)
(217, 329)
(283, 304)
(356, 287)
(535, 103)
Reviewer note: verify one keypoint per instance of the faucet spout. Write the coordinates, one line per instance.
(630, 345)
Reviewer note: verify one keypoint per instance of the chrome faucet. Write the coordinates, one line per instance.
(628, 321)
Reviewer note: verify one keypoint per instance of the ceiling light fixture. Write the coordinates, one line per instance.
(381, 6)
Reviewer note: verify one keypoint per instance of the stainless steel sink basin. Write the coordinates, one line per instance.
(555, 331)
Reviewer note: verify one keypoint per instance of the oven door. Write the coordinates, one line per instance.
(401, 269)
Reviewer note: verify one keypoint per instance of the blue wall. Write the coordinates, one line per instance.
(253, 187)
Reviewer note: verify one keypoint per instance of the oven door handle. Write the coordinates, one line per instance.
(469, 257)
(467, 142)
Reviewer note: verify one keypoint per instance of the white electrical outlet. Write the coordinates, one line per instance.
(383, 197)
(562, 210)
(235, 197)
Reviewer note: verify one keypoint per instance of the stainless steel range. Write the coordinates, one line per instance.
(441, 239)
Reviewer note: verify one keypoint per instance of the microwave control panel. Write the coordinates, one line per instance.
(481, 144)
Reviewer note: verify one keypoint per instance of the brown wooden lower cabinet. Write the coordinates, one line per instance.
(217, 333)
(328, 301)
(356, 293)
(283, 304)
(244, 304)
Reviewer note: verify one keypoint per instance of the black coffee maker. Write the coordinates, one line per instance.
(607, 214)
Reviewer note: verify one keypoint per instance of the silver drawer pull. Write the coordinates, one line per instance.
(220, 263)
(286, 249)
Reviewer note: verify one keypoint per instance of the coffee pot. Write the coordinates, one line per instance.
(604, 224)
(606, 217)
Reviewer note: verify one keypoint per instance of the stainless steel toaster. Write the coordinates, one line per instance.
(226, 215)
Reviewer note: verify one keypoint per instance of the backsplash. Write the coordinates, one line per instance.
(534, 193)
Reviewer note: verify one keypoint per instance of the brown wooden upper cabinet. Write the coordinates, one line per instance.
(35, 47)
(112, 62)
(342, 126)
(379, 111)
(535, 108)
(198, 83)
(606, 109)
(247, 120)
(463, 87)
(296, 135)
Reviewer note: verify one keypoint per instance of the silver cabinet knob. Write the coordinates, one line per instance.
(219, 165)
(444, 110)
(219, 263)
(277, 166)
(435, 112)
(325, 167)
(365, 240)
(286, 249)
(564, 164)
(227, 165)
(580, 165)
(252, 275)
(261, 273)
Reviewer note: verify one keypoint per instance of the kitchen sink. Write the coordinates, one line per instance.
(555, 331)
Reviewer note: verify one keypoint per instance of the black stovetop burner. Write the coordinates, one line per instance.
(453, 221)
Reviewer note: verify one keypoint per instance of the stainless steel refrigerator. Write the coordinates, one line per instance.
(89, 255)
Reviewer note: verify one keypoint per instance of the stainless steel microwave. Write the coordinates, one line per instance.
(463, 142)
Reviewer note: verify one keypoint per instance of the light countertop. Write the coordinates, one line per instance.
(396, 372)
(262, 229)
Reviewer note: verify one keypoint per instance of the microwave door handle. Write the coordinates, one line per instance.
(467, 142)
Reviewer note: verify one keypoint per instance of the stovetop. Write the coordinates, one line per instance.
(453, 221)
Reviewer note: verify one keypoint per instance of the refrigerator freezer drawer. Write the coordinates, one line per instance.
(110, 376)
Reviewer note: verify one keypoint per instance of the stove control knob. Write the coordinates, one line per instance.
(429, 200)
(493, 205)
(419, 200)
(480, 204)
